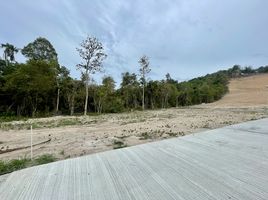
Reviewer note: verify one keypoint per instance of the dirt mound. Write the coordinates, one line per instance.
(246, 91)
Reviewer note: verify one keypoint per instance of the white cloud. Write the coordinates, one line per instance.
(186, 38)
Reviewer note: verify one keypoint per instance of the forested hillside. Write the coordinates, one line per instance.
(42, 87)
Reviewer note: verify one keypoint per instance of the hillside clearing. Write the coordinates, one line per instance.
(246, 91)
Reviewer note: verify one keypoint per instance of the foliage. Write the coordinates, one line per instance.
(40, 86)
(144, 70)
(40, 49)
(92, 55)
(9, 52)
(17, 164)
(31, 85)
(46, 158)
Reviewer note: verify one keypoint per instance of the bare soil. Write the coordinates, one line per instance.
(246, 91)
(77, 136)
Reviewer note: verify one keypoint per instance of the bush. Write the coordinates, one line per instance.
(46, 158)
(13, 165)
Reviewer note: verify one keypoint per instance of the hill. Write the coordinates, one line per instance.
(246, 91)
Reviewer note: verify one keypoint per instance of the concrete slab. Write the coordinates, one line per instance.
(226, 163)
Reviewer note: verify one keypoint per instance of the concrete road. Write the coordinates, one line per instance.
(226, 163)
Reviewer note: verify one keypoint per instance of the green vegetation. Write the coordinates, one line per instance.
(17, 164)
(47, 124)
(41, 87)
(117, 144)
(46, 158)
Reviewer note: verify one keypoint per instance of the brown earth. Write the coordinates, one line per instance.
(76, 136)
(246, 91)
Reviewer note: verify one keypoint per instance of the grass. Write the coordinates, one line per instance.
(46, 158)
(17, 164)
(25, 125)
(68, 122)
(12, 118)
(13, 165)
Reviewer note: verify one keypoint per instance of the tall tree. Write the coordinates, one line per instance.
(9, 52)
(62, 76)
(40, 49)
(144, 70)
(92, 53)
(129, 89)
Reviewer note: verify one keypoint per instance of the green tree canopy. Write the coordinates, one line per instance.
(40, 49)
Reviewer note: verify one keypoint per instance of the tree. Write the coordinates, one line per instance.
(144, 70)
(104, 94)
(9, 52)
(235, 71)
(40, 49)
(70, 90)
(31, 84)
(92, 54)
(129, 89)
(62, 77)
(248, 70)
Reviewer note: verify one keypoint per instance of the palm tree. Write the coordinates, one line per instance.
(9, 52)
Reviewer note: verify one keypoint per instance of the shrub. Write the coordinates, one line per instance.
(46, 158)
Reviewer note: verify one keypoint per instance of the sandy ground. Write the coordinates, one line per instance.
(128, 128)
(94, 134)
(247, 91)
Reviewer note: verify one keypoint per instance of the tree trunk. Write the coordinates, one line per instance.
(86, 99)
(58, 100)
(72, 105)
(99, 106)
(143, 96)
(5, 56)
(9, 107)
(152, 103)
(34, 106)
(166, 101)
(18, 111)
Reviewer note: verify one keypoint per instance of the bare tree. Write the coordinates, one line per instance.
(144, 70)
(92, 54)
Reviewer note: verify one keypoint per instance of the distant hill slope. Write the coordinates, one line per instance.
(246, 91)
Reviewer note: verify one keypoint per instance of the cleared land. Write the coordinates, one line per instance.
(227, 163)
(246, 91)
(99, 133)
(66, 137)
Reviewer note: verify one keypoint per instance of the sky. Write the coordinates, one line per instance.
(186, 38)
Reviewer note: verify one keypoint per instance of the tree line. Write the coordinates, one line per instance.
(42, 87)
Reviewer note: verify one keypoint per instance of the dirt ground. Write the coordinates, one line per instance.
(247, 91)
(66, 137)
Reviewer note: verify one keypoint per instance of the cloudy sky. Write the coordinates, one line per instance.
(186, 38)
